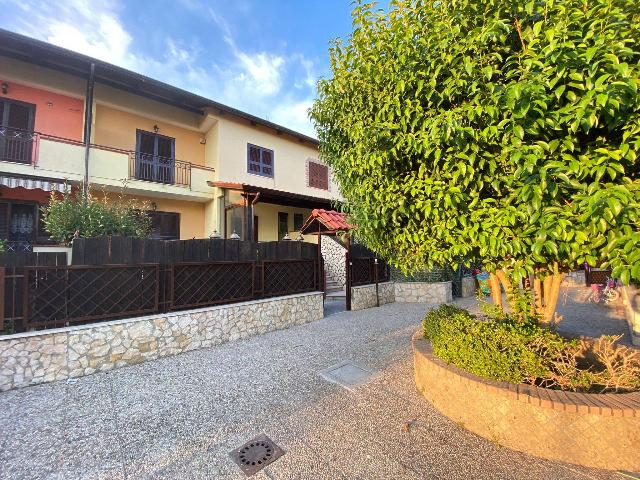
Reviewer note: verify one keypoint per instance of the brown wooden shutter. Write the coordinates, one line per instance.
(318, 175)
(4, 221)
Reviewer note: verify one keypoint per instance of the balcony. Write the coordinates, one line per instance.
(18, 146)
(154, 168)
(38, 154)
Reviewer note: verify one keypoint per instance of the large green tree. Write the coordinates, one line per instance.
(501, 132)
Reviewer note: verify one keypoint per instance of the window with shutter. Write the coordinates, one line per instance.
(4, 221)
(259, 161)
(318, 175)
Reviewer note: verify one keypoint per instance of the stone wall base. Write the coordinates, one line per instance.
(364, 296)
(601, 431)
(422, 292)
(46, 356)
(631, 301)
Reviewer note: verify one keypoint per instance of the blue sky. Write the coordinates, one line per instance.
(261, 56)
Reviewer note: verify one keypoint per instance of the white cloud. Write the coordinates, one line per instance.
(250, 81)
(294, 114)
(261, 72)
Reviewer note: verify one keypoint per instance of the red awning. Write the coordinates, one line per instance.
(325, 221)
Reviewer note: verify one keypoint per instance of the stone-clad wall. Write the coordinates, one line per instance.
(596, 430)
(39, 357)
(334, 256)
(423, 292)
(364, 296)
(631, 302)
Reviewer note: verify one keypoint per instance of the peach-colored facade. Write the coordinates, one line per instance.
(56, 114)
(117, 128)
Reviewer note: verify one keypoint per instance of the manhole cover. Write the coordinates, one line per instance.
(256, 454)
(346, 374)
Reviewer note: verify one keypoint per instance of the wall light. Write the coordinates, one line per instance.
(203, 141)
(156, 128)
(4, 87)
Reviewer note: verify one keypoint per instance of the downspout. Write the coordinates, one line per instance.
(88, 119)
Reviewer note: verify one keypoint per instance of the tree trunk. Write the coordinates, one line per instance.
(545, 293)
(496, 293)
(545, 296)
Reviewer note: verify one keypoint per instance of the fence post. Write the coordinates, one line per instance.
(2, 296)
(347, 287)
(25, 301)
(375, 278)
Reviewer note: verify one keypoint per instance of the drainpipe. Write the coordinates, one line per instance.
(88, 119)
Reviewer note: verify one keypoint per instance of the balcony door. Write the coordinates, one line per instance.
(16, 131)
(155, 157)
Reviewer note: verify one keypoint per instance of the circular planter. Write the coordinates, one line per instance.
(594, 430)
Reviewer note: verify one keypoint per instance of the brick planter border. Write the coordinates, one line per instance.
(594, 430)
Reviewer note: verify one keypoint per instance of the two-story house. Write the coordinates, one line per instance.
(202, 167)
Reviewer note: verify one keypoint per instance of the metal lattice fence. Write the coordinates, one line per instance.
(289, 276)
(430, 276)
(62, 295)
(363, 271)
(40, 293)
(200, 284)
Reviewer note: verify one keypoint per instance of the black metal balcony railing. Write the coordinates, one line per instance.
(154, 168)
(17, 145)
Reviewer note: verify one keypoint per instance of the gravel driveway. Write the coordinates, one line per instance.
(180, 417)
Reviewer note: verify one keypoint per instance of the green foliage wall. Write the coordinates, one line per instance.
(501, 132)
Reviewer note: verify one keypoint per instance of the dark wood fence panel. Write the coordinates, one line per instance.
(127, 250)
(203, 284)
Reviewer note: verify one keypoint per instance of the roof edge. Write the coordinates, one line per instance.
(26, 41)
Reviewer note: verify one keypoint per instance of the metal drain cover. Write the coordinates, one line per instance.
(256, 454)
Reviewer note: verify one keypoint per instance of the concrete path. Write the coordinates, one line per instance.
(578, 316)
(178, 418)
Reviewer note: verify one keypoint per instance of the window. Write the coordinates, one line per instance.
(21, 226)
(16, 131)
(283, 224)
(259, 161)
(298, 220)
(155, 157)
(165, 225)
(318, 175)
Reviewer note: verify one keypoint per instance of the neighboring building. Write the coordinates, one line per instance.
(201, 166)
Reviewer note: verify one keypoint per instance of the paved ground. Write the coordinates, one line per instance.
(579, 316)
(177, 418)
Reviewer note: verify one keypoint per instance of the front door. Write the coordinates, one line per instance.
(155, 157)
(16, 131)
(283, 225)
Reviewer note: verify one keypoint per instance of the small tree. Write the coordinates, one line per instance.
(91, 216)
(506, 133)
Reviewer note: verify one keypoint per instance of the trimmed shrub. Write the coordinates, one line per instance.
(517, 349)
(503, 349)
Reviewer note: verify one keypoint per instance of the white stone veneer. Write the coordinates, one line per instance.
(631, 302)
(423, 292)
(364, 296)
(334, 255)
(46, 356)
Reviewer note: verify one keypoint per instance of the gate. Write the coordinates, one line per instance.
(363, 267)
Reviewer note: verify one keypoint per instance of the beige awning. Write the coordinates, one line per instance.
(32, 184)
